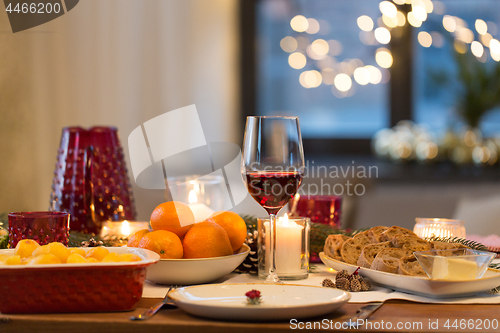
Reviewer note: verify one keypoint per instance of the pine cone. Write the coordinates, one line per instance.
(343, 283)
(342, 274)
(251, 262)
(328, 283)
(355, 285)
(365, 285)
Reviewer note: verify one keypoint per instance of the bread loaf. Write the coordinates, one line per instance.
(369, 253)
(387, 260)
(333, 244)
(351, 249)
(393, 231)
(411, 243)
(374, 233)
(410, 266)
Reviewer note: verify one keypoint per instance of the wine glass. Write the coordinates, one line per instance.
(272, 168)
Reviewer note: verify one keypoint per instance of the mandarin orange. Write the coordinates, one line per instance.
(134, 240)
(234, 225)
(173, 216)
(167, 244)
(206, 240)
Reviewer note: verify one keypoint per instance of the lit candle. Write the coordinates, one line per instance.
(201, 211)
(122, 229)
(288, 246)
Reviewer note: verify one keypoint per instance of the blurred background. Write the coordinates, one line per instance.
(411, 88)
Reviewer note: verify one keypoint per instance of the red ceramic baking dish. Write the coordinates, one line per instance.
(63, 288)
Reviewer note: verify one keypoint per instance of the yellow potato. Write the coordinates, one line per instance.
(77, 250)
(75, 258)
(44, 249)
(112, 257)
(59, 250)
(129, 257)
(25, 247)
(98, 253)
(44, 259)
(92, 260)
(13, 260)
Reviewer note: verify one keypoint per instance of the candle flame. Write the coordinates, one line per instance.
(193, 198)
(125, 228)
(285, 220)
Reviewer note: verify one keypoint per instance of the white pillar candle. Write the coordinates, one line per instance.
(201, 211)
(288, 246)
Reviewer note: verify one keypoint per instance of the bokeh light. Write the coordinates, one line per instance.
(343, 82)
(459, 46)
(362, 76)
(335, 47)
(367, 37)
(424, 38)
(297, 60)
(449, 23)
(477, 49)
(465, 35)
(312, 26)
(437, 39)
(365, 23)
(388, 8)
(494, 46)
(320, 47)
(486, 39)
(382, 35)
(419, 12)
(328, 76)
(313, 78)
(481, 27)
(414, 22)
(299, 23)
(390, 22)
(288, 44)
(401, 19)
(383, 57)
(375, 74)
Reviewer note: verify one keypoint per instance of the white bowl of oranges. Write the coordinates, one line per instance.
(192, 253)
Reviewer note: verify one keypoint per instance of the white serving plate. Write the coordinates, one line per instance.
(279, 301)
(421, 285)
(195, 271)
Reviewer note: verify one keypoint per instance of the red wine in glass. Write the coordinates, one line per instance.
(273, 189)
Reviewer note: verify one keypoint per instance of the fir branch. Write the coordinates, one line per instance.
(472, 244)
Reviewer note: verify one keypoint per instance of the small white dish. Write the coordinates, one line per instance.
(195, 271)
(279, 301)
(422, 285)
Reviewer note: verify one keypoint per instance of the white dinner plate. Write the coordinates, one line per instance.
(279, 301)
(421, 285)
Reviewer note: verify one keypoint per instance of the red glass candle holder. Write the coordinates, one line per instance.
(323, 209)
(43, 227)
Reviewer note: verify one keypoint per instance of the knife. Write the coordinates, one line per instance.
(362, 314)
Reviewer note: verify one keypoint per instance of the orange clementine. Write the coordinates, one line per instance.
(167, 244)
(234, 225)
(206, 240)
(134, 240)
(173, 216)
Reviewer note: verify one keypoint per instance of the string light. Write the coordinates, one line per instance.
(383, 57)
(288, 44)
(297, 60)
(343, 82)
(388, 8)
(365, 23)
(312, 26)
(414, 22)
(382, 35)
(481, 27)
(477, 49)
(362, 76)
(299, 23)
(320, 47)
(424, 38)
(449, 23)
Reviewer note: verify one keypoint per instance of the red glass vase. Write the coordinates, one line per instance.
(90, 179)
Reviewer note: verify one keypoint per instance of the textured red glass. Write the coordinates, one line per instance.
(324, 209)
(43, 227)
(90, 179)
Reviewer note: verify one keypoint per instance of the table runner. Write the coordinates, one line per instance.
(377, 294)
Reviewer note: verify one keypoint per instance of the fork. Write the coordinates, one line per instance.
(154, 309)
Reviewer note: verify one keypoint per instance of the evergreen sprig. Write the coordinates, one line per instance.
(472, 244)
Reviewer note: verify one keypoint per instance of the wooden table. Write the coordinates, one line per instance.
(175, 320)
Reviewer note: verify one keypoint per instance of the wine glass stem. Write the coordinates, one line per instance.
(272, 276)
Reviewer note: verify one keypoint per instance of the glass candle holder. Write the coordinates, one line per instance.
(436, 227)
(42, 227)
(324, 209)
(292, 248)
(204, 195)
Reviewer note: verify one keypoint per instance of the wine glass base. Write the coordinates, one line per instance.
(273, 278)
